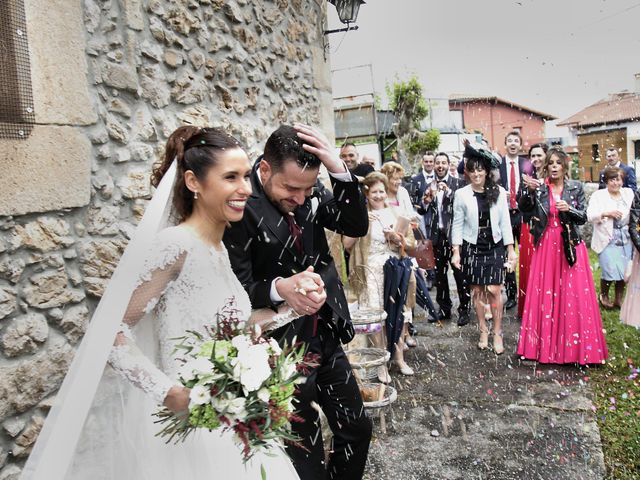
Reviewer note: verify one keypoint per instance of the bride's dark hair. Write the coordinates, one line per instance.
(196, 149)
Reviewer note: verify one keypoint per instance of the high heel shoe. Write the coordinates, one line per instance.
(483, 343)
(403, 368)
(498, 346)
(383, 374)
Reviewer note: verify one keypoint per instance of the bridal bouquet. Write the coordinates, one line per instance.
(239, 381)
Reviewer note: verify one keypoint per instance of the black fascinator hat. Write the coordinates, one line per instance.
(481, 156)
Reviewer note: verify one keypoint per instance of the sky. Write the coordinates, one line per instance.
(554, 56)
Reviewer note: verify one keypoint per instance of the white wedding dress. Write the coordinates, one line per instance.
(181, 287)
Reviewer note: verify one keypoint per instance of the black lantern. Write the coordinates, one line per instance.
(347, 9)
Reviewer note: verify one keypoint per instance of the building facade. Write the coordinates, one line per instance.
(613, 122)
(495, 118)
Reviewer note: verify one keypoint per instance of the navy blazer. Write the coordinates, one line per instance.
(447, 212)
(524, 166)
(629, 177)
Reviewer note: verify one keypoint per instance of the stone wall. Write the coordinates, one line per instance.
(80, 183)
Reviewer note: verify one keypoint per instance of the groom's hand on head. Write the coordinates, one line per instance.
(318, 144)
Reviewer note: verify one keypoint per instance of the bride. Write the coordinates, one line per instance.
(184, 279)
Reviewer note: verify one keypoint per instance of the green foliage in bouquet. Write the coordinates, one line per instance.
(239, 381)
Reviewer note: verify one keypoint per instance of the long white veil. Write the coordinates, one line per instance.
(56, 446)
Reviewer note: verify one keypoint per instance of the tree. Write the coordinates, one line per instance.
(410, 108)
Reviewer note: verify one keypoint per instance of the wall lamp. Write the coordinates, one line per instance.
(347, 12)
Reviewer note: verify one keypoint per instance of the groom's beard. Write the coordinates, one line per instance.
(283, 206)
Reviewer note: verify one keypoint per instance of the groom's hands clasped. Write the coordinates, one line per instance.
(304, 291)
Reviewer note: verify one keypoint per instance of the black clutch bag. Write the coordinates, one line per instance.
(568, 244)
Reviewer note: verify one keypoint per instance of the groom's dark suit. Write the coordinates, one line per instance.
(260, 249)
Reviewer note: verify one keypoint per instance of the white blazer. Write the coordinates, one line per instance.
(465, 218)
(599, 203)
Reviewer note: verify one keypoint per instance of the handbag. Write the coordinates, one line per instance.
(424, 251)
(568, 245)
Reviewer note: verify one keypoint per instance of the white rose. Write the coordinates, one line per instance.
(263, 394)
(199, 395)
(253, 366)
(241, 342)
(191, 369)
(237, 409)
(287, 370)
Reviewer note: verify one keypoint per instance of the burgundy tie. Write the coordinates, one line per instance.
(296, 233)
(512, 187)
(296, 236)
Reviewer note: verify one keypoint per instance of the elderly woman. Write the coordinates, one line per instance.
(397, 195)
(609, 212)
(369, 254)
(631, 306)
(561, 321)
(480, 233)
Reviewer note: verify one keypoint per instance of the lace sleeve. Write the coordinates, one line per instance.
(126, 358)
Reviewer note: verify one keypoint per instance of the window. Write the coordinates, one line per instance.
(16, 100)
(595, 152)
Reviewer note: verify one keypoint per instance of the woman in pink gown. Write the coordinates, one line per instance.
(561, 320)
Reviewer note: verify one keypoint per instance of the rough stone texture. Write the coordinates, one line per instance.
(74, 322)
(25, 334)
(98, 260)
(14, 426)
(43, 235)
(24, 443)
(50, 289)
(7, 301)
(11, 269)
(39, 181)
(102, 220)
(136, 184)
(23, 386)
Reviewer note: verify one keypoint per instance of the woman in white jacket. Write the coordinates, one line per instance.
(608, 210)
(481, 230)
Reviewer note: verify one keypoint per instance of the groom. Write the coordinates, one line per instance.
(277, 250)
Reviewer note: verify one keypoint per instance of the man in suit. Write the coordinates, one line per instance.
(277, 250)
(440, 204)
(613, 160)
(416, 186)
(350, 156)
(511, 170)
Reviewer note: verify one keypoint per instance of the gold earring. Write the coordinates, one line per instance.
(195, 195)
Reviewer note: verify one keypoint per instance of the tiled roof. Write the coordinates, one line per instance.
(458, 98)
(616, 108)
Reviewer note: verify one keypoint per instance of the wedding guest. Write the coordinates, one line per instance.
(480, 233)
(397, 195)
(609, 212)
(631, 305)
(613, 160)
(537, 153)
(351, 157)
(512, 168)
(369, 254)
(441, 201)
(561, 320)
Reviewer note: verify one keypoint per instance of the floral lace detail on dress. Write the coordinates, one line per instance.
(183, 284)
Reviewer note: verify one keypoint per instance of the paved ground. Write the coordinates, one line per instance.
(471, 414)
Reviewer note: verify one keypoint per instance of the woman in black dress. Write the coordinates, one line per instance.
(480, 234)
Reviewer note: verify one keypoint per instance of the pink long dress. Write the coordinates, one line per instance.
(561, 321)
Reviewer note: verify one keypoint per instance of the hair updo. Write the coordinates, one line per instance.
(196, 149)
